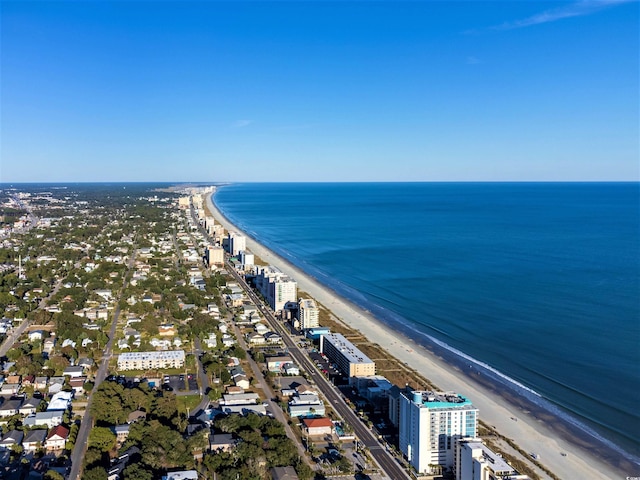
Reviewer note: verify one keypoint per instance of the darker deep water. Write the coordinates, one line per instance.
(539, 281)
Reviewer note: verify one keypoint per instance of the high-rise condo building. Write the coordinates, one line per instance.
(430, 424)
(308, 313)
(215, 255)
(237, 243)
(276, 287)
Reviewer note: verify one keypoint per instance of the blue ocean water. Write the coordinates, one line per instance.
(539, 281)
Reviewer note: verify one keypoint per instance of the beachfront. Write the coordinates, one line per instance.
(529, 433)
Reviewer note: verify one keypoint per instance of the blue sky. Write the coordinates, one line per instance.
(319, 91)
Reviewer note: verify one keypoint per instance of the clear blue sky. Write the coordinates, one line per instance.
(319, 91)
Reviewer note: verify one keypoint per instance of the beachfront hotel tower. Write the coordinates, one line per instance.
(237, 243)
(308, 314)
(430, 424)
(276, 287)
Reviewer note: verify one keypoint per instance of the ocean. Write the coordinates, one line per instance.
(539, 282)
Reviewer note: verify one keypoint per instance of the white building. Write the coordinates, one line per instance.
(475, 461)
(308, 313)
(237, 243)
(430, 425)
(276, 287)
(346, 355)
(247, 259)
(151, 360)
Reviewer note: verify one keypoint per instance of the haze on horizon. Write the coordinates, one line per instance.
(319, 91)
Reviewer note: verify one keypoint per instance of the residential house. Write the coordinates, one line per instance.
(29, 406)
(291, 369)
(222, 442)
(260, 328)
(73, 372)
(34, 439)
(48, 345)
(228, 340)
(256, 339)
(86, 362)
(181, 475)
(284, 473)
(318, 426)
(60, 401)
(136, 415)
(241, 381)
(8, 389)
(40, 383)
(55, 387)
(106, 294)
(272, 337)
(162, 344)
(48, 418)
(10, 407)
(14, 437)
(211, 341)
(306, 405)
(121, 432)
(35, 335)
(57, 438)
(77, 384)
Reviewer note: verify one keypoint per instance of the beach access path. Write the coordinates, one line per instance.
(530, 434)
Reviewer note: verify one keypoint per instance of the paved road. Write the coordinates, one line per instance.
(273, 406)
(203, 377)
(386, 462)
(15, 333)
(87, 422)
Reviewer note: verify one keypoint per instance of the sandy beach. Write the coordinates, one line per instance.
(530, 432)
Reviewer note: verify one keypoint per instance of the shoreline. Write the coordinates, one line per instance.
(536, 431)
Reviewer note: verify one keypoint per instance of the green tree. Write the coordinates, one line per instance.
(136, 471)
(96, 473)
(102, 438)
(52, 475)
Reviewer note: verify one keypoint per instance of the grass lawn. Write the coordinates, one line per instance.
(187, 401)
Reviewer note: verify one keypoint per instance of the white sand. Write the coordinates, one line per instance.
(530, 434)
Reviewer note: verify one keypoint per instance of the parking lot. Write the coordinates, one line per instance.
(180, 383)
(170, 383)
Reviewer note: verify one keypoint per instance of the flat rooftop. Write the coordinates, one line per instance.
(348, 349)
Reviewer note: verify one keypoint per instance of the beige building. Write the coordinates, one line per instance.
(346, 355)
(215, 255)
(151, 360)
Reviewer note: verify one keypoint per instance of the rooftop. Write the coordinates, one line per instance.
(348, 349)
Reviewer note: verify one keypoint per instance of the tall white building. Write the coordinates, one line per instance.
(308, 313)
(237, 243)
(430, 424)
(276, 287)
(246, 259)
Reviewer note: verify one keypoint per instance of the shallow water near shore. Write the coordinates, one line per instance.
(537, 282)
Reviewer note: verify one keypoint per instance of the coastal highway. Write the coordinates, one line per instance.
(385, 460)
